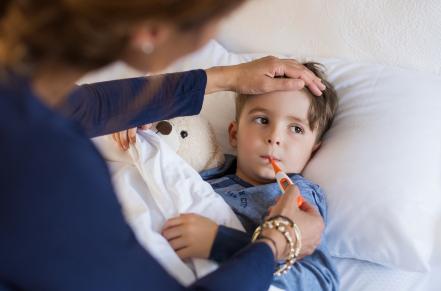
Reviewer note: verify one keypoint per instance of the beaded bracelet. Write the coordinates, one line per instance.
(281, 224)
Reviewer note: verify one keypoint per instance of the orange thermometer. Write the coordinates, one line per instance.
(283, 180)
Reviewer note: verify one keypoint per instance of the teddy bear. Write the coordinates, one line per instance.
(193, 139)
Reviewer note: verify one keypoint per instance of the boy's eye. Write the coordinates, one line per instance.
(261, 120)
(297, 129)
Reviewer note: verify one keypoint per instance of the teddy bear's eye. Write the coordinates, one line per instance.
(184, 134)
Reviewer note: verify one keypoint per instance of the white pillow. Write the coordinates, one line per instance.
(380, 163)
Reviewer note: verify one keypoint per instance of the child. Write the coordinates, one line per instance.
(287, 126)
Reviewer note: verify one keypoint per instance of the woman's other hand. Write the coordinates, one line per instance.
(263, 75)
(127, 137)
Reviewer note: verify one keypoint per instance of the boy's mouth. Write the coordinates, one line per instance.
(268, 157)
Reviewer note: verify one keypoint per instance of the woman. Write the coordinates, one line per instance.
(61, 227)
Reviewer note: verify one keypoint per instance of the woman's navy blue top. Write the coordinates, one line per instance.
(61, 226)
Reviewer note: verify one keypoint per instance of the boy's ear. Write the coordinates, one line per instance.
(232, 134)
(316, 146)
(314, 149)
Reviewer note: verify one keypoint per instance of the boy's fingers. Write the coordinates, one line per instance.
(183, 253)
(131, 133)
(172, 232)
(178, 243)
(172, 222)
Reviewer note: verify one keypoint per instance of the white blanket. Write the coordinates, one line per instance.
(154, 184)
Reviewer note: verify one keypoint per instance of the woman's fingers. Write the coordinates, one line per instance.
(289, 197)
(125, 138)
(146, 126)
(319, 83)
(281, 84)
(307, 207)
(131, 134)
(298, 71)
(117, 138)
(307, 218)
(294, 70)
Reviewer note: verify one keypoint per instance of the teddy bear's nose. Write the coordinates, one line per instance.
(184, 134)
(164, 127)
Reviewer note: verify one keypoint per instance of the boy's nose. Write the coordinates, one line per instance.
(270, 141)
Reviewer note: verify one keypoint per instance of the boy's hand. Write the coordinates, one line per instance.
(190, 235)
(127, 137)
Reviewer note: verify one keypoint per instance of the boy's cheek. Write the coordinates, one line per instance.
(296, 165)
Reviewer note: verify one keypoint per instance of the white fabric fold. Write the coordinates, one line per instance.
(154, 184)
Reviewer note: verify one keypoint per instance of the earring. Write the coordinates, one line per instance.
(147, 48)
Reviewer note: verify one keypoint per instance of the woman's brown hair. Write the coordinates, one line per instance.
(89, 33)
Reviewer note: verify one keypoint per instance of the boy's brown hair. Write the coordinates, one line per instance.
(322, 108)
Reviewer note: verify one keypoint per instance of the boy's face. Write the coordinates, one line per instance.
(273, 124)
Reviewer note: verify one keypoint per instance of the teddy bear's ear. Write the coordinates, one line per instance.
(217, 157)
(167, 130)
(217, 160)
(164, 127)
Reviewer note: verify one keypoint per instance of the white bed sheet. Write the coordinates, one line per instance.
(356, 275)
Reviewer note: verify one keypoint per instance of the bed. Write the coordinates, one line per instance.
(398, 36)
(380, 163)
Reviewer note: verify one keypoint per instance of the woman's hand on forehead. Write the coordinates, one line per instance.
(273, 74)
(263, 75)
